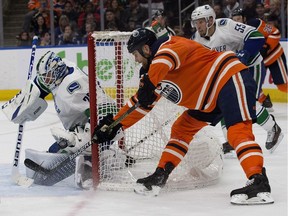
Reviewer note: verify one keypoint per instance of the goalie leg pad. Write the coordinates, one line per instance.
(83, 172)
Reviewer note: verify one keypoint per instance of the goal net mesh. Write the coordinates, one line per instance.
(113, 79)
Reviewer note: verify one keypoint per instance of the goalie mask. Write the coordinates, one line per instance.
(51, 70)
(206, 12)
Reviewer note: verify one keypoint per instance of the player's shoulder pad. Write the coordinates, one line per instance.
(222, 21)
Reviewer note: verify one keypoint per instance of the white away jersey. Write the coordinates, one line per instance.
(228, 36)
(71, 97)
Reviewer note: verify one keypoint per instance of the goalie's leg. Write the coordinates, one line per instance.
(83, 172)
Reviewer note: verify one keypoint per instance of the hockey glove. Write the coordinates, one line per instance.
(70, 141)
(102, 134)
(146, 95)
(264, 50)
(243, 56)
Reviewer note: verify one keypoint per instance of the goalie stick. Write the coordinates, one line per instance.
(15, 174)
(66, 167)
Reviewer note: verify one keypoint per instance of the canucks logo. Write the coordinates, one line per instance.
(73, 87)
(170, 91)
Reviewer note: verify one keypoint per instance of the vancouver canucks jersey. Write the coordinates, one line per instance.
(232, 36)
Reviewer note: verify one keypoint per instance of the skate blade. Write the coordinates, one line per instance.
(261, 199)
(281, 136)
(142, 190)
(230, 155)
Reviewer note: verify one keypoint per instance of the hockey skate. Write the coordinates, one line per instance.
(274, 137)
(228, 151)
(268, 104)
(256, 191)
(151, 185)
(83, 172)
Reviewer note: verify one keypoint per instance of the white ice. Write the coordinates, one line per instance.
(64, 199)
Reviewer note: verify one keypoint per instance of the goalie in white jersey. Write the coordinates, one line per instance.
(69, 87)
(225, 34)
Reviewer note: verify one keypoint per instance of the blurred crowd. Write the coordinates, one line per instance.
(75, 19)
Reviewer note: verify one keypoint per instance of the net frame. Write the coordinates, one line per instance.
(175, 183)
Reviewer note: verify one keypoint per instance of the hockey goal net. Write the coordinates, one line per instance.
(137, 154)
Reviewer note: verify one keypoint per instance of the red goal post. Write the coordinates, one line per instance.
(137, 154)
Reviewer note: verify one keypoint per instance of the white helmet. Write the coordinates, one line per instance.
(205, 11)
(51, 70)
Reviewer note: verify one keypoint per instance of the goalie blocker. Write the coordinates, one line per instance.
(26, 105)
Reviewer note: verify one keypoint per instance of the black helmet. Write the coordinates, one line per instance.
(238, 12)
(140, 37)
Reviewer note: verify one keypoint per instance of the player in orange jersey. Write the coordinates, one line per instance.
(211, 85)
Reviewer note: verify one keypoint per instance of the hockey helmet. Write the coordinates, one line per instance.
(51, 70)
(237, 12)
(205, 11)
(140, 37)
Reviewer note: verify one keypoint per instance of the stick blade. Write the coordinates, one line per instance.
(20, 180)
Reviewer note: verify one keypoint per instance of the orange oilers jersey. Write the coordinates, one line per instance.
(272, 37)
(188, 74)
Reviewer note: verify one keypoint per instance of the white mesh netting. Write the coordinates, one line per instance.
(117, 73)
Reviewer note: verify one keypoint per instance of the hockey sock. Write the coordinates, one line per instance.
(264, 119)
(249, 153)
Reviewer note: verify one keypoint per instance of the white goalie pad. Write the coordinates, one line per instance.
(46, 159)
(26, 105)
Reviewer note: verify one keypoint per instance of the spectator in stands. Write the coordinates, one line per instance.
(88, 8)
(275, 12)
(70, 13)
(59, 30)
(117, 9)
(219, 10)
(111, 22)
(90, 18)
(35, 7)
(89, 27)
(39, 25)
(135, 15)
(249, 9)
(23, 39)
(59, 7)
(260, 11)
(155, 4)
(69, 37)
(230, 7)
(45, 39)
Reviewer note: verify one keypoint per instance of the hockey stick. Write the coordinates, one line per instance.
(15, 174)
(66, 167)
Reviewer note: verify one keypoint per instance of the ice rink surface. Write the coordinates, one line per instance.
(64, 199)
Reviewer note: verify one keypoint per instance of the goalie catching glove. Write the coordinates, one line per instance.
(70, 142)
(102, 134)
(146, 95)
